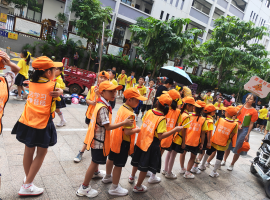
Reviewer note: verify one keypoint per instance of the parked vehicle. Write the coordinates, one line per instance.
(77, 79)
(261, 164)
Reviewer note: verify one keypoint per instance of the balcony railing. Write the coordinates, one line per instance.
(143, 6)
(199, 15)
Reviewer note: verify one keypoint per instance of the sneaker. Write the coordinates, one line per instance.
(188, 175)
(89, 192)
(170, 176)
(119, 191)
(164, 172)
(130, 179)
(223, 163)
(78, 157)
(212, 164)
(62, 123)
(230, 168)
(18, 98)
(141, 189)
(207, 164)
(99, 174)
(182, 171)
(148, 174)
(195, 170)
(25, 95)
(202, 167)
(154, 180)
(107, 180)
(214, 174)
(32, 190)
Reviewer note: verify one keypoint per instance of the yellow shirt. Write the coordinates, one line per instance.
(208, 99)
(122, 79)
(44, 80)
(205, 126)
(221, 105)
(162, 126)
(263, 113)
(88, 94)
(220, 148)
(114, 82)
(178, 139)
(179, 102)
(24, 68)
(60, 81)
(127, 137)
(142, 89)
(130, 83)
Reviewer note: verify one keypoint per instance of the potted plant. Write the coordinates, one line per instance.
(61, 18)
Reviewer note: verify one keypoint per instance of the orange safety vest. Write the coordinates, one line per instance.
(91, 108)
(4, 94)
(91, 130)
(179, 134)
(223, 132)
(117, 134)
(37, 110)
(148, 128)
(171, 118)
(194, 131)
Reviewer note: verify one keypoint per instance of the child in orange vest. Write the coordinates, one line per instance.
(194, 138)
(122, 142)
(147, 155)
(99, 134)
(178, 144)
(225, 130)
(209, 112)
(91, 100)
(35, 127)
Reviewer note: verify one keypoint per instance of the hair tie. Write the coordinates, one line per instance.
(28, 54)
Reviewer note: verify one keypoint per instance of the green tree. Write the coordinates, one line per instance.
(229, 47)
(162, 40)
(21, 4)
(91, 16)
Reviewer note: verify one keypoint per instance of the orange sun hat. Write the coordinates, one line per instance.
(108, 85)
(104, 73)
(165, 99)
(232, 111)
(209, 108)
(133, 93)
(43, 63)
(174, 94)
(190, 100)
(201, 103)
(245, 147)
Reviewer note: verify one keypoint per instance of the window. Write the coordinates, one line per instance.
(182, 5)
(34, 10)
(256, 19)
(167, 17)
(161, 14)
(177, 2)
(137, 6)
(147, 11)
(171, 2)
(250, 15)
(202, 5)
(253, 17)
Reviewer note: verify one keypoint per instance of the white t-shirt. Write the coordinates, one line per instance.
(146, 81)
(232, 99)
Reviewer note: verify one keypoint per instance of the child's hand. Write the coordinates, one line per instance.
(136, 130)
(183, 146)
(208, 145)
(56, 93)
(178, 128)
(97, 91)
(128, 122)
(6, 58)
(201, 146)
(93, 103)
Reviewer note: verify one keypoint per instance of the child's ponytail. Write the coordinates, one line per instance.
(164, 109)
(37, 74)
(62, 74)
(198, 112)
(27, 56)
(174, 104)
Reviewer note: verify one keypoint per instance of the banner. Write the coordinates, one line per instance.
(2, 25)
(13, 36)
(27, 27)
(3, 17)
(258, 86)
(3, 33)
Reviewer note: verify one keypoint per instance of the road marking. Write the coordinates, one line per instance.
(58, 129)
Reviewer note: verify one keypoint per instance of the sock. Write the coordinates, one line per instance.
(60, 114)
(107, 176)
(153, 175)
(205, 157)
(27, 185)
(81, 152)
(217, 165)
(113, 186)
(84, 186)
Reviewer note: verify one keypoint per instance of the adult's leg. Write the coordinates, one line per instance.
(36, 164)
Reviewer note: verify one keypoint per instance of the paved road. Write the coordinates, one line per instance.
(61, 177)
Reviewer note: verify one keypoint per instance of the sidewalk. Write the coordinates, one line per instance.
(61, 177)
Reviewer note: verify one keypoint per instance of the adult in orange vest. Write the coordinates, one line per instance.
(91, 100)
(122, 141)
(194, 138)
(99, 134)
(225, 130)
(147, 155)
(178, 144)
(4, 85)
(209, 112)
(248, 116)
(35, 127)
